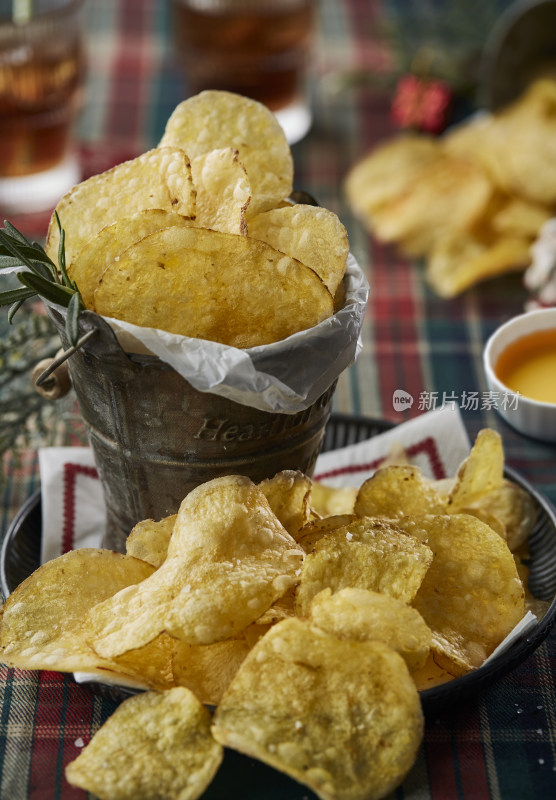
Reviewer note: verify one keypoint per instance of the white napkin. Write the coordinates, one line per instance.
(437, 442)
(73, 510)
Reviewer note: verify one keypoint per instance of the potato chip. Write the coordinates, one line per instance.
(229, 559)
(154, 745)
(398, 491)
(471, 596)
(208, 669)
(472, 201)
(369, 616)
(339, 716)
(397, 456)
(480, 473)
(365, 554)
(460, 261)
(330, 500)
(106, 245)
(430, 675)
(386, 172)
(533, 604)
(450, 195)
(212, 285)
(514, 507)
(254, 632)
(520, 218)
(149, 540)
(223, 191)
(316, 529)
(150, 666)
(313, 235)
(485, 516)
(215, 119)
(519, 147)
(288, 496)
(159, 178)
(283, 608)
(42, 618)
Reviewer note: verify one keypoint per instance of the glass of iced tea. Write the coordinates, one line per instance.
(42, 68)
(257, 48)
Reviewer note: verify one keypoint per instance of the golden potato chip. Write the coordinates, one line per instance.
(514, 507)
(159, 178)
(254, 632)
(228, 560)
(467, 138)
(313, 235)
(154, 745)
(328, 501)
(212, 285)
(386, 172)
(485, 516)
(316, 529)
(208, 669)
(223, 191)
(366, 554)
(480, 473)
(397, 456)
(366, 616)
(473, 201)
(450, 195)
(430, 675)
(518, 144)
(149, 540)
(288, 496)
(460, 261)
(283, 608)
(339, 716)
(471, 596)
(398, 491)
(533, 604)
(150, 666)
(106, 245)
(42, 619)
(215, 119)
(519, 217)
(340, 296)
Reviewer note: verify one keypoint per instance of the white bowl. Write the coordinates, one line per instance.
(530, 417)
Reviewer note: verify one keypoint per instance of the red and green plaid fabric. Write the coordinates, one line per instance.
(500, 745)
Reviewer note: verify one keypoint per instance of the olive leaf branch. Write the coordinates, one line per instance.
(39, 276)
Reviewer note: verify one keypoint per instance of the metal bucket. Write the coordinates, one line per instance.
(155, 437)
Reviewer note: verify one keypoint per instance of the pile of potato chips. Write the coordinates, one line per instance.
(310, 632)
(197, 236)
(471, 202)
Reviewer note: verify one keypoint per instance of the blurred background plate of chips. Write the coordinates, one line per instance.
(470, 202)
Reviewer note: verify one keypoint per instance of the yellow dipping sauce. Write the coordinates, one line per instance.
(528, 366)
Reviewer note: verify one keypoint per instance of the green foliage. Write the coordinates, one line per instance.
(39, 276)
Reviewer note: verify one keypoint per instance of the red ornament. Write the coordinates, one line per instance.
(421, 104)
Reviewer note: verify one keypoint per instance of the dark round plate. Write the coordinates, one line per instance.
(20, 556)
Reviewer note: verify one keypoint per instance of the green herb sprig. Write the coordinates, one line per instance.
(40, 277)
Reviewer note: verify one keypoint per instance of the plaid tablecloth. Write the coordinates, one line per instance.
(501, 744)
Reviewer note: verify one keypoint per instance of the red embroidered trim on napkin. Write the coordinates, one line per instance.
(71, 471)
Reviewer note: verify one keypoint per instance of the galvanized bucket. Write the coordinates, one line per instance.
(155, 437)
